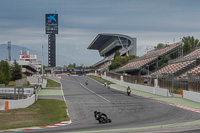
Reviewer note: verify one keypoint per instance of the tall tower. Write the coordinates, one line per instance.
(9, 50)
(51, 29)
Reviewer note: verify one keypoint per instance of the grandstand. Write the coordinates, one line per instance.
(182, 67)
(149, 61)
(108, 44)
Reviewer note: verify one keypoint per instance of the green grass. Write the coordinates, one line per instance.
(99, 79)
(51, 83)
(44, 112)
(50, 88)
(50, 92)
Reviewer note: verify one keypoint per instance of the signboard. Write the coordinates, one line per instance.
(51, 19)
(77, 70)
(58, 70)
(52, 50)
(28, 56)
(51, 29)
(25, 56)
(51, 22)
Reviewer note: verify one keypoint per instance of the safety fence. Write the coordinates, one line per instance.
(169, 82)
(190, 95)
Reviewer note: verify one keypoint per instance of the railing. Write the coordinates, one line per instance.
(164, 81)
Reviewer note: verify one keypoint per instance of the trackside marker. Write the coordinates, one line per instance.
(64, 123)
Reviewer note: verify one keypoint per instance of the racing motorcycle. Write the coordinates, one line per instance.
(86, 82)
(128, 92)
(102, 119)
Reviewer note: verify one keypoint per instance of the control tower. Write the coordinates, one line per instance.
(51, 23)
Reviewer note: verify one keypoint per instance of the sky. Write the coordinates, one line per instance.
(80, 21)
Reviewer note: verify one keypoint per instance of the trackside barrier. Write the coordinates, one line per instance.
(193, 96)
(93, 74)
(152, 90)
(15, 104)
(6, 105)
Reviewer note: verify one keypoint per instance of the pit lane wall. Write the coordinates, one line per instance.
(152, 90)
(190, 95)
(15, 104)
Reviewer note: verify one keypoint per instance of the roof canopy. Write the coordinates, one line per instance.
(101, 39)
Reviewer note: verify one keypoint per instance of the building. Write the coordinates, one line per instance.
(108, 44)
(29, 63)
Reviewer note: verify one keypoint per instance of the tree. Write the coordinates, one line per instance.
(2, 78)
(190, 43)
(16, 71)
(186, 47)
(117, 54)
(160, 45)
(5, 69)
(119, 61)
(72, 65)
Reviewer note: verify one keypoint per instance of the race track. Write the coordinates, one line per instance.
(125, 111)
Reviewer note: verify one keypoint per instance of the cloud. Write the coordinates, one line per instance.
(22, 22)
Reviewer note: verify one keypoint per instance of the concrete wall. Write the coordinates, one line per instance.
(93, 74)
(44, 84)
(15, 104)
(2, 105)
(152, 90)
(194, 96)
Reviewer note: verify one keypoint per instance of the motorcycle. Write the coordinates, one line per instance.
(108, 86)
(102, 119)
(128, 92)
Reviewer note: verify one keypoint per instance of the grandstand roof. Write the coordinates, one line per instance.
(102, 38)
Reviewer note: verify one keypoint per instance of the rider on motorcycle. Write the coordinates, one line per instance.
(86, 82)
(102, 117)
(128, 91)
(100, 114)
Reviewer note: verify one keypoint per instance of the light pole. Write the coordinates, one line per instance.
(9, 50)
(42, 60)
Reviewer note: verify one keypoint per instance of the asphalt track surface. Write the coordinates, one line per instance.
(125, 111)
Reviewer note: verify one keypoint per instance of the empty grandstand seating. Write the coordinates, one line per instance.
(137, 64)
(191, 56)
(193, 71)
(161, 51)
(148, 58)
(173, 68)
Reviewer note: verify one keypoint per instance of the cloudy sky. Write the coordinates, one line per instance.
(150, 21)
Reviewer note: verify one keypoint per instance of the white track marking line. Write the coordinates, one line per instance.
(95, 93)
(89, 90)
(64, 98)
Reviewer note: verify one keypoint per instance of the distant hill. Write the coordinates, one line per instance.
(15, 52)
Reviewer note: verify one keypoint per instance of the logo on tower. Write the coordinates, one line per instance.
(51, 19)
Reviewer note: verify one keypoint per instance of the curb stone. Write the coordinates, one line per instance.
(64, 123)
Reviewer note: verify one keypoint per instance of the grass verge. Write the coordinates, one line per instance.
(51, 83)
(99, 79)
(44, 112)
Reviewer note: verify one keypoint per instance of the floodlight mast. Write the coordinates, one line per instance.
(9, 50)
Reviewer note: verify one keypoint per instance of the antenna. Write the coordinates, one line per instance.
(55, 11)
